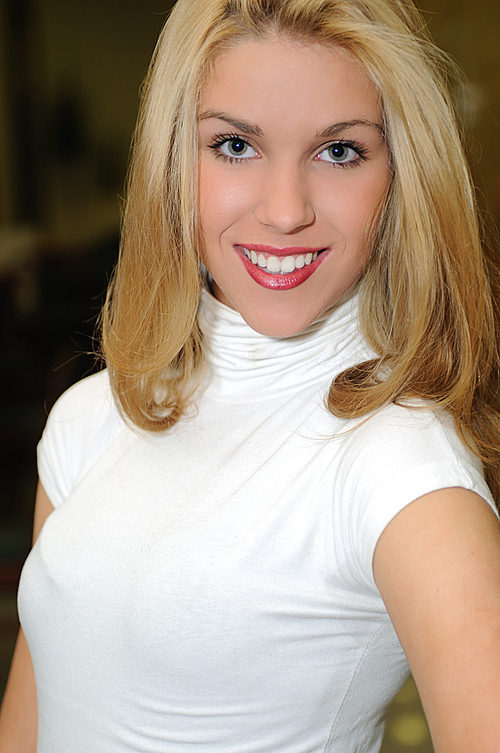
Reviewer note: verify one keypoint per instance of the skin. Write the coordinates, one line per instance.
(437, 566)
(284, 190)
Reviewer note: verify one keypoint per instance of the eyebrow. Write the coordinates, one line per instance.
(253, 130)
(337, 128)
(241, 125)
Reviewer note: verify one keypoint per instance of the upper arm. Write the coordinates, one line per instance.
(18, 718)
(437, 566)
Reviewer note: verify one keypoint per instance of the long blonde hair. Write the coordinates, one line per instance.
(426, 305)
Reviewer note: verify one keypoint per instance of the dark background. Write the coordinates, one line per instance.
(70, 73)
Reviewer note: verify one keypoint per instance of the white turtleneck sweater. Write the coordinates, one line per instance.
(210, 588)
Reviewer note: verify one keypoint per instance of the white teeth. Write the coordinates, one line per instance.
(280, 265)
(273, 264)
(287, 264)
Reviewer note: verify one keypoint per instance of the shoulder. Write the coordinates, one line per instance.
(90, 394)
(401, 437)
(78, 430)
(395, 456)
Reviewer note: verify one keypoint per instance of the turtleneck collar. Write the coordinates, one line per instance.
(244, 365)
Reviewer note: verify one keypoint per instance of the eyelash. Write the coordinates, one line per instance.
(360, 150)
(224, 138)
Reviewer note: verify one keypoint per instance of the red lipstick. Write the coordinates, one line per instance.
(280, 280)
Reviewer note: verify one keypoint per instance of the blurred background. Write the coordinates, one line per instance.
(70, 74)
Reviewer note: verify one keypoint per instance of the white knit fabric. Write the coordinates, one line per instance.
(210, 588)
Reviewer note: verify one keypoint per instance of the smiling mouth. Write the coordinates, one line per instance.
(280, 265)
(280, 268)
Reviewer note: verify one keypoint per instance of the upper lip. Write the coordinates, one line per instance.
(275, 251)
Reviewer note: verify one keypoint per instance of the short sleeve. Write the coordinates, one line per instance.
(77, 431)
(393, 458)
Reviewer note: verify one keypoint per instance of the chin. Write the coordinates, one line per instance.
(279, 323)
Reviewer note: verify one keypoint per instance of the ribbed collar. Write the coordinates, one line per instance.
(244, 365)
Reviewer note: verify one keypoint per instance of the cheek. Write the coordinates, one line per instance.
(225, 197)
(360, 208)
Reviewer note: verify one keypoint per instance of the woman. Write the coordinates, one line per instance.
(234, 565)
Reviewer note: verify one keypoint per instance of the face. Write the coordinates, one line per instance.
(293, 167)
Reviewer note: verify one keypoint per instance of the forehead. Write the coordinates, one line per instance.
(288, 79)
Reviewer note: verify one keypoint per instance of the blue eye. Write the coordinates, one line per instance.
(233, 148)
(236, 148)
(342, 153)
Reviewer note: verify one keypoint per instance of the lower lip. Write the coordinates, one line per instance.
(279, 281)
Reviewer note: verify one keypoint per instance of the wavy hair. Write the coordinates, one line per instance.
(425, 299)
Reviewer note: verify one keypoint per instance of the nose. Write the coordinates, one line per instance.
(284, 201)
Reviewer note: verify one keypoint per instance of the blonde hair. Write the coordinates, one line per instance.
(426, 306)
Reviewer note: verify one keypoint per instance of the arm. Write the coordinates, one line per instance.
(18, 718)
(437, 566)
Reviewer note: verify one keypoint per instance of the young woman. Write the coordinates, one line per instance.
(275, 497)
